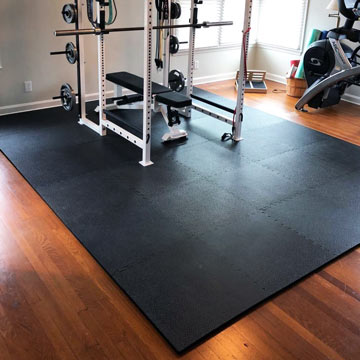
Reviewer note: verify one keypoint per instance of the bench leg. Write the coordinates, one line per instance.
(118, 91)
(174, 131)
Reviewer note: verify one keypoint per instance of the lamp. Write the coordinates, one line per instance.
(333, 6)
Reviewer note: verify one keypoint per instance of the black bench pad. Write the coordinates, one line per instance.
(134, 83)
(174, 99)
(125, 120)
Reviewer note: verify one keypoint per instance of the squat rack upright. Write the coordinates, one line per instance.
(100, 30)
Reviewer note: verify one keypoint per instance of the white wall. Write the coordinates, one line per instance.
(26, 38)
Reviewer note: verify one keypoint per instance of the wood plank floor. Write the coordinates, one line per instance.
(56, 302)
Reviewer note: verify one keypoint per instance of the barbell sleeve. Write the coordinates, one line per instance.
(60, 97)
(58, 52)
(207, 24)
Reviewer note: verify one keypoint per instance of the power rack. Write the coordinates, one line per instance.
(158, 97)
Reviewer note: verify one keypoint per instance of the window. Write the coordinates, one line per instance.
(215, 10)
(274, 23)
(281, 23)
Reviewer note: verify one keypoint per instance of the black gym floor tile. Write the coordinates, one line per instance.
(275, 139)
(342, 153)
(344, 190)
(256, 184)
(34, 121)
(255, 119)
(68, 162)
(199, 205)
(330, 224)
(288, 133)
(46, 138)
(300, 167)
(207, 158)
(164, 177)
(271, 254)
(201, 281)
(117, 233)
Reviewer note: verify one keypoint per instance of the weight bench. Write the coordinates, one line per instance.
(165, 100)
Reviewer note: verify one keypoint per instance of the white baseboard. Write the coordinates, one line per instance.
(277, 78)
(215, 78)
(351, 99)
(38, 105)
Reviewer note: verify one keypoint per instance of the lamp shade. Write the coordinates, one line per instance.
(333, 5)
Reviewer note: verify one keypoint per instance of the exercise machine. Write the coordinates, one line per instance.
(330, 65)
(152, 96)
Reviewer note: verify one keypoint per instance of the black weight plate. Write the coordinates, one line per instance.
(71, 53)
(175, 10)
(67, 97)
(176, 80)
(69, 13)
(174, 44)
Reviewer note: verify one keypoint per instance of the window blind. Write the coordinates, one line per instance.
(216, 10)
(232, 34)
(281, 23)
(269, 25)
(211, 10)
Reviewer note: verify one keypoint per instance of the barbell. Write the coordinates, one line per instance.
(98, 31)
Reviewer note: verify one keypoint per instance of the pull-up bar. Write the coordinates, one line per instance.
(98, 31)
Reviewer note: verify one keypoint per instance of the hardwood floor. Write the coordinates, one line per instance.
(56, 302)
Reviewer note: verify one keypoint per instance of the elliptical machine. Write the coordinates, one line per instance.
(330, 65)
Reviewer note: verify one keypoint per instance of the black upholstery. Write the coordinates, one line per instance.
(174, 99)
(134, 83)
(118, 117)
